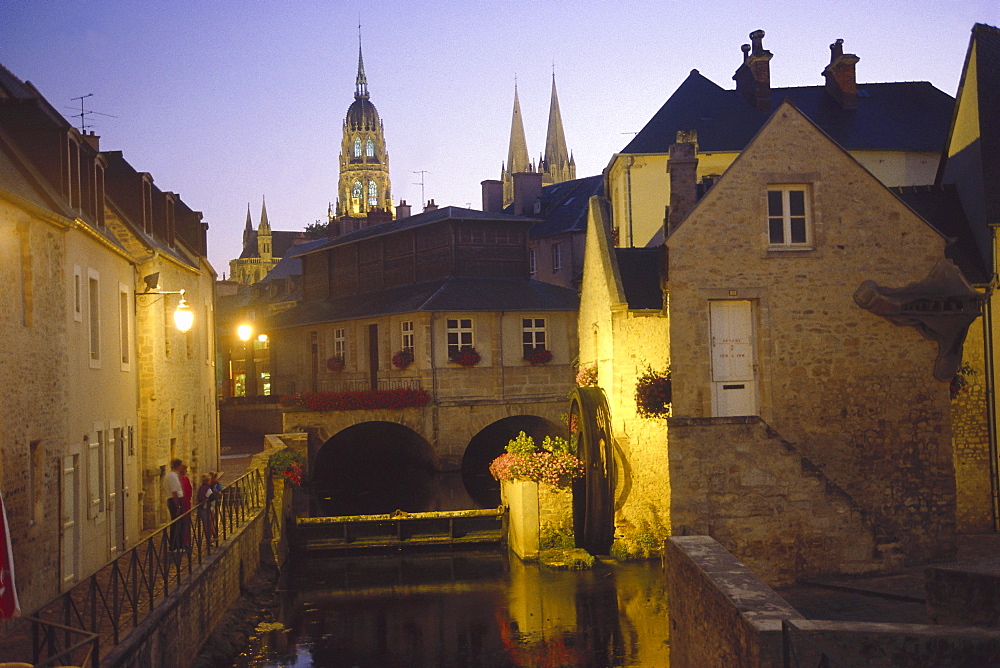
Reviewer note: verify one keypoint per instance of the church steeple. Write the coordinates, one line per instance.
(264, 237)
(517, 152)
(248, 230)
(363, 185)
(557, 164)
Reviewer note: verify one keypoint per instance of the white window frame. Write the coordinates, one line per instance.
(125, 326)
(406, 334)
(94, 316)
(533, 334)
(556, 258)
(459, 334)
(340, 342)
(532, 261)
(786, 218)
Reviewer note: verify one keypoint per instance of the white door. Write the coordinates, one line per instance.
(734, 385)
(69, 512)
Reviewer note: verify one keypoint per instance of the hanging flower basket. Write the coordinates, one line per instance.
(403, 358)
(336, 363)
(653, 394)
(538, 356)
(467, 356)
(586, 375)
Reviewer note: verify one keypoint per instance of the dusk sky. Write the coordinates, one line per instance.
(228, 102)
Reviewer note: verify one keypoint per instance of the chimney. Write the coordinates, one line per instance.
(93, 140)
(682, 166)
(753, 78)
(402, 210)
(527, 193)
(378, 216)
(430, 206)
(492, 195)
(841, 79)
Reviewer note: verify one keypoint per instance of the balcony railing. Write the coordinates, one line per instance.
(101, 610)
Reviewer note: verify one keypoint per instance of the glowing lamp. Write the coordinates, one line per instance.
(244, 332)
(183, 316)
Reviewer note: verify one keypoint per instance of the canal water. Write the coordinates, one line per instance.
(464, 608)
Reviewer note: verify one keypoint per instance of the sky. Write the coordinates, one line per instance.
(228, 102)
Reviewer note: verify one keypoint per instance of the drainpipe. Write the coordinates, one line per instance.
(628, 197)
(435, 402)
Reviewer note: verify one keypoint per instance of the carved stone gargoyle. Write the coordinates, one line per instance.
(941, 307)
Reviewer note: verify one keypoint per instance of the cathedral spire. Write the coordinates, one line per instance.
(556, 153)
(517, 151)
(248, 230)
(265, 226)
(361, 85)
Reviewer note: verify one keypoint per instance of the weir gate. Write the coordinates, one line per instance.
(398, 530)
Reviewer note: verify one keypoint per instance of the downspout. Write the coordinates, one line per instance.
(628, 198)
(435, 403)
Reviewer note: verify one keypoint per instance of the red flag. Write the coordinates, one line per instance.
(9, 605)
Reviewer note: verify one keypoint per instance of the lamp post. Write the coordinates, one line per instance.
(183, 315)
(249, 370)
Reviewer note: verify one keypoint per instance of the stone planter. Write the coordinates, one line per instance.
(535, 511)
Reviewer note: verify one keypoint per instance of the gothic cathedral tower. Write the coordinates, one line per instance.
(364, 161)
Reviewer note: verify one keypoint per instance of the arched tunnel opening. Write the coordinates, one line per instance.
(373, 468)
(490, 443)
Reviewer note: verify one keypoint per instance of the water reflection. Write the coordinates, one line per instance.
(476, 608)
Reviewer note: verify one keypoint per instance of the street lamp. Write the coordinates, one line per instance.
(250, 371)
(183, 315)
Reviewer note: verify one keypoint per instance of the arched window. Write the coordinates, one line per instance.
(358, 190)
(370, 148)
(357, 147)
(372, 193)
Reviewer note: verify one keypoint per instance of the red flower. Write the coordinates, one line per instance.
(467, 356)
(538, 356)
(403, 358)
(336, 363)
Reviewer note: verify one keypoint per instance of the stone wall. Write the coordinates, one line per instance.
(854, 393)
(740, 483)
(172, 634)
(971, 438)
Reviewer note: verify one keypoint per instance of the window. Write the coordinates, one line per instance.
(124, 336)
(532, 261)
(408, 335)
(459, 335)
(73, 186)
(357, 147)
(532, 334)
(556, 257)
(372, 193)
(788, 223)
(94, 305)
(147, 204)
(77, 293)
(370, 148)
(339, 343)
(358, 190)
(96, 474)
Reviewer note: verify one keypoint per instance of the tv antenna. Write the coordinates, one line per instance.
(86, 112)
(423, 201)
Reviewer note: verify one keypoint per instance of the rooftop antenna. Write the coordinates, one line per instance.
(86, 112)
(423, 201)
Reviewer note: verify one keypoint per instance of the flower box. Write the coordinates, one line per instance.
(403, 358)
(538, 356)
(336, 363)
(466, 357)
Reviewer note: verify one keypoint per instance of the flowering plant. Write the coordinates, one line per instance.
(959, 380)
(465, 356)
(357, 400)
(555, 465)
(403, 358)
(586, 375)
(287, 464)
(653, 393)
(538, 356)
(336, 363)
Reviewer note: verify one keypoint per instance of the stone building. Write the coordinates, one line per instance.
(807, 433)
(554, 166)
(432, 288)
(896, 130)
(108, 390)
(263, 248)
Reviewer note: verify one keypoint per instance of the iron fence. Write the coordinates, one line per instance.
(106, 606)
(363, 384)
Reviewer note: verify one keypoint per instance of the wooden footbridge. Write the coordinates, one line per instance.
(398, 530)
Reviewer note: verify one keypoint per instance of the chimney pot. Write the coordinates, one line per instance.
(841, 76)
(492, 195)
(682, 166)
(430, 206)
(753, 77)
(402, 210)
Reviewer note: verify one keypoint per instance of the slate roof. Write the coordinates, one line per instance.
(942, 208)
(447, 294)
(565, 206)
(639, 269)
(281, 242)
(886, 118)
(418, 220)
(290, 265)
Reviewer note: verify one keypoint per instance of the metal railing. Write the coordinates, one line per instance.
(800, 649)
(363, 384)
(109, 604)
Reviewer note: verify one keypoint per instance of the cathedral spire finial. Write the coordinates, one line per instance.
(557, 161)
(361, 85)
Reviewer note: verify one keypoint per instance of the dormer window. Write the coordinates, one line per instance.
(370, 148)
(357, 147)
(73, 189)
